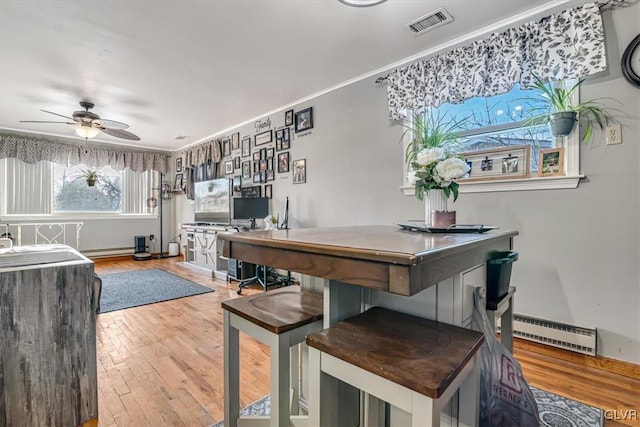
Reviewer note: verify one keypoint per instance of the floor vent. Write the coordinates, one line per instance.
(429, 22)
(568, 337)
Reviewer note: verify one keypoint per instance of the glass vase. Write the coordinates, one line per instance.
(435, 201)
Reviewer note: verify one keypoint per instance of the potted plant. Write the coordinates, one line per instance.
(91, 176)
(562, 114)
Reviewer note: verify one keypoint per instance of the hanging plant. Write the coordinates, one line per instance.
(91, 176)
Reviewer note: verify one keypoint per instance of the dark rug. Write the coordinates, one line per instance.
(135, 288)
(555, 411)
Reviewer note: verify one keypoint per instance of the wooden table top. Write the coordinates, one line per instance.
(385, 243)
(420, 354)
(279, 310)
(380, 257)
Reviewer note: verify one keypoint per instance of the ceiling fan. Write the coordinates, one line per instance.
(88, 125)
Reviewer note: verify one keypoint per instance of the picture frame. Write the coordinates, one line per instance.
(263, 165)
(256, 177)
(253, 191)
(177, 184)
(263, 154)
(288, 118)
(237, 183)
(246, 147)
(256, 155)
(235, 141)
(268, 191)
(246, 169)
(286, 135)
(256, 166)
(263, 176)
(270, 175)
(299, 171)
(226, 148)
(304, 120)
(228, 167)
(236, 162)
(498, 163)
(551, 162)
(179, 164)
(279, 135)
(263, 137)
(283, 162)
(271, 152)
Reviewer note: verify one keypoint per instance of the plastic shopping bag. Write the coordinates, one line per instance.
(505, 397)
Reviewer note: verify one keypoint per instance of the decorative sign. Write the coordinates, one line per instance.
(262, 124)
(264, 137)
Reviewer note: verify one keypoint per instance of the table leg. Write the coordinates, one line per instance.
(231, 373)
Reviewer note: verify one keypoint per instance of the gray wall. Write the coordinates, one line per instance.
(579, 248)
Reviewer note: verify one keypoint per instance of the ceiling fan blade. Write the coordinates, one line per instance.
(41, 121)
(110, 124)
(119, 133)
(56, 114)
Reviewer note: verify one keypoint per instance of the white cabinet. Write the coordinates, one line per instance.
(204, 250)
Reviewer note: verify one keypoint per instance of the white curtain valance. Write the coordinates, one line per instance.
(33, 150)
(568, 45)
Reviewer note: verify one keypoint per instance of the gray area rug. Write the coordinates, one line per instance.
(555, 411)
(135, 288)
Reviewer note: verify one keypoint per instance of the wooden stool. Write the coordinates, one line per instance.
(280, 318)
(412, 363)
(503, 310)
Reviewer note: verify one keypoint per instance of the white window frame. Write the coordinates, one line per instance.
(5, 217)
(571, 179)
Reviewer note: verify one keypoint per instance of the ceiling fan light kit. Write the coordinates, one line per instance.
(361, 3)
(88, 125)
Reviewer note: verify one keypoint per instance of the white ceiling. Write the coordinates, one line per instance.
(198, 68)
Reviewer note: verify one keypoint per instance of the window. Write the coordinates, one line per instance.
(503, 121)
(46, 189)
(72, 194)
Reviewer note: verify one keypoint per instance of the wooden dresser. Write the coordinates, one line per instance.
(48, 373)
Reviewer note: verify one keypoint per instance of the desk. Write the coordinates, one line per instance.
(428, 275)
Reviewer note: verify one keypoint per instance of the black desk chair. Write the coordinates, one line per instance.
(265, 277)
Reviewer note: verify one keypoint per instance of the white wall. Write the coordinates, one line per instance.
(579, 249)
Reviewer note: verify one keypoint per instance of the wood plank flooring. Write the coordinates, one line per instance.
(161, 364)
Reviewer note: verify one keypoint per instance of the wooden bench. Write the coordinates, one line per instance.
(281, 319)
(412, 363)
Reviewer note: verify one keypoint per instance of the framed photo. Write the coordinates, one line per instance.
(256, 155)
(271, 153)
(551, 162)
(263, 165)
(263, 176)
(279, 135)
(270, 175)
(236, 162)
(228, 167)
(179, 164)
(286, 135)
(263, 154)
(304, 120)
(253, 191)
(256, 166)
(246, 147)
(283, 162)
(235, 141)
(256, 177)
(299, 171)
(177, 185)
(237, 183)
(246, 169)
(264, 137)
(270, 163)
(499, 163)
(288, 118)
(226, 148)
(268, 191)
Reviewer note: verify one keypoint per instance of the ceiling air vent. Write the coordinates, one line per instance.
(429, 21)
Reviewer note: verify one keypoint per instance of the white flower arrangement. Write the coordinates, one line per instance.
(435, 169)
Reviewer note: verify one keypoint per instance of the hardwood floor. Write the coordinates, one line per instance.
(161, 364)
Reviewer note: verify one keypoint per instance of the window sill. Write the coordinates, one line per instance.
(524, 184)
(74, 217)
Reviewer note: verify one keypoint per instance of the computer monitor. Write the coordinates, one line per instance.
(250, 208)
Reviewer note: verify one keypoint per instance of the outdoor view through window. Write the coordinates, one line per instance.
(71, 193)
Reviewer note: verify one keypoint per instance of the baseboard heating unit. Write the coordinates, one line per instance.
(562, 335)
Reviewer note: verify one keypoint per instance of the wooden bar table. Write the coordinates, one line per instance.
(425, 274)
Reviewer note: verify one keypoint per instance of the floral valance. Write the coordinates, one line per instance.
(33, 150)
(567, 45)
(207, 152)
